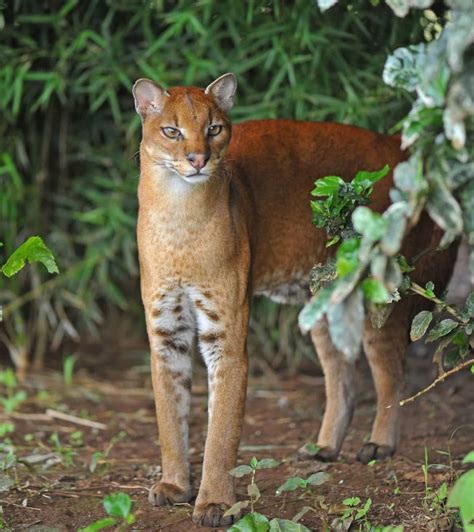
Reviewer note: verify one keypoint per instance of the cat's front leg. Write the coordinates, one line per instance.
(222, 341)
(170, 324)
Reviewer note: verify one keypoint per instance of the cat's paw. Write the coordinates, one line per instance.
(212, 515)
(371, 451)
(163, 494)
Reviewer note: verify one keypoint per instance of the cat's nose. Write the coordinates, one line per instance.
(198, 160)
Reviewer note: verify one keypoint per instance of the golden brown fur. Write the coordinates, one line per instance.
(219, 222)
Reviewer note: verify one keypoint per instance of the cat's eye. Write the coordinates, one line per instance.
(171, 132)
(214, 130)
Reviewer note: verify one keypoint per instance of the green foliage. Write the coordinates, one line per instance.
(341, 198)
(14, 398)
(354, 513)
(294, 483)
(255, 522)
(68, 370)
(461, 497)
(438, 177)
(119, 508)
(32, 250)
(69, 133)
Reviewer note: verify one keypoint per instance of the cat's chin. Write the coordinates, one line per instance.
(195, 179)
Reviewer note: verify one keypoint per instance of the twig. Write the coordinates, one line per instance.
(75, 419)
(441, 378)
(419, 290)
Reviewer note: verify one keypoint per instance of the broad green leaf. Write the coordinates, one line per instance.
(469, 307)
(284, 525)
(327, 185)
(443, 328)
(444, 209)
(267, 463)
(374, 291)
(408, 176)
(291, 484)
(347, 257)
(367, 179)
(240, 471)
(316, 308)
(346, 321)
(370, 224)
(99, 525)
(351, 501)
(118, 505)
(469, 458)
(252, 522)
(316, 479)
(33, 250)
(420, 324)
(396, 216)
(362, 512)
(461, 497)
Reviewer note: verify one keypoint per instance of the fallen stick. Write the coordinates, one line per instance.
(74, 419)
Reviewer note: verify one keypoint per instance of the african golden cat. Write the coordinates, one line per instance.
(220, 220)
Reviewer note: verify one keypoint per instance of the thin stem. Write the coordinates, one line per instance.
(441, 378)
(419, 290)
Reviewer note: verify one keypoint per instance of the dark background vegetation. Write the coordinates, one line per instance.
(69, 135)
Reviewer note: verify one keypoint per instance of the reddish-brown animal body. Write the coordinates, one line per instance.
(220, 220)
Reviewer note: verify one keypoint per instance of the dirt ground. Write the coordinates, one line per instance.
(57, 490)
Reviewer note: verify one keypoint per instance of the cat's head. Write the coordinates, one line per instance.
(186, 129)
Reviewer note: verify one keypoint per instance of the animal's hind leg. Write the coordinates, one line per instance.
(339, 375)
(385, 350)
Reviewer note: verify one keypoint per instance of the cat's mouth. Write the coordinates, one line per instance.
(196, 177)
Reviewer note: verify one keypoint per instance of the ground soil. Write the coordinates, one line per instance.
(59, 492)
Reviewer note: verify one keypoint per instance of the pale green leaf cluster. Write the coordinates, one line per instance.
(438, 176)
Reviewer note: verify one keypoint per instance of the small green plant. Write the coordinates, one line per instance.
(6, 428)
(255, 520)
(118, 507)
(461, 495)
(354, 513)
(66, 453)
(14, 397)
(76, 438)
(68, 370)
(294, 483)
(252, 489)
(100, 457)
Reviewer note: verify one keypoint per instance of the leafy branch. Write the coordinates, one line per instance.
(368, 271)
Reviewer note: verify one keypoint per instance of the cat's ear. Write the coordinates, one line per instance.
(223, 90)
(149, 98)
